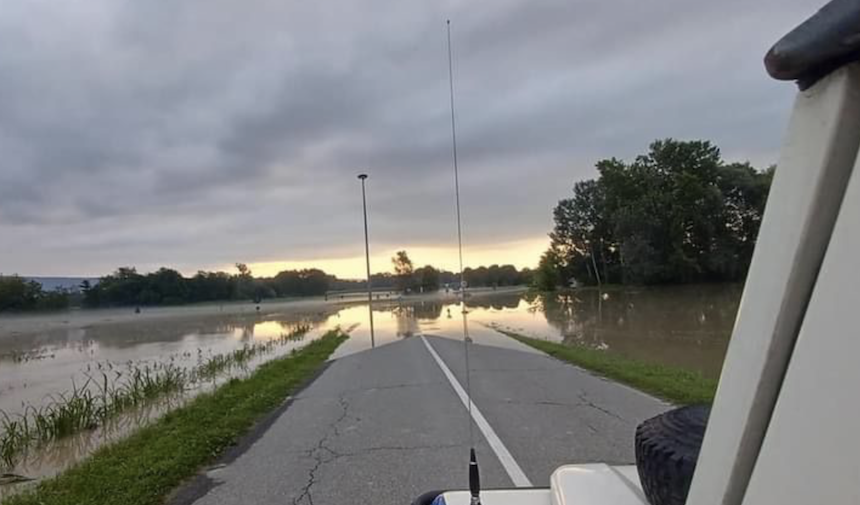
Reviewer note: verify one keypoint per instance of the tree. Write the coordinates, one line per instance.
(165, 286)
(19, 294)
(211, 286)
(245, 285)
(312, 282)
(547, 277)
(675, 214)
(91, 294)
(123, 287)
(428, 278)
(403, 270)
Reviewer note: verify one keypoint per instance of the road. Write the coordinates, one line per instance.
(384, 425)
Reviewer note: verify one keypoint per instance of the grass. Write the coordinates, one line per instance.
(86, 407)
(677, 385)
(99, 399)
(240, 357)
(143, 468)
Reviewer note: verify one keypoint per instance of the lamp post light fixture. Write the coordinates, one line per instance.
(363, 177)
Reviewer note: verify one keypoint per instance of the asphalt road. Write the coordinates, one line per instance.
(384, 425)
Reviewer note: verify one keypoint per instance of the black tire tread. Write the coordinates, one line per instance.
(667, 448)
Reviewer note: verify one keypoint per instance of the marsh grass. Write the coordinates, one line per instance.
(111, 392)
(239, 358)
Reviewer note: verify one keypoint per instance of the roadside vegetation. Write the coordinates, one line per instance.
(110, 391)
(679, 386)
(676, 214)
(143, 468)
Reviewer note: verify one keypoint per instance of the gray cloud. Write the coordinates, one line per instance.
(197, 133)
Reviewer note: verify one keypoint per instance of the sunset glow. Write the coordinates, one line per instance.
(522, 253)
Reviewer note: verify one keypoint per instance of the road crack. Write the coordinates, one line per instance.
(382, 448)
(587, 401)
(322, 453)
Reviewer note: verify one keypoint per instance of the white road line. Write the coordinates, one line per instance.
(514, 471)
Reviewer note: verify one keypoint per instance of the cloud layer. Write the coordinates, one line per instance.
(198, 133)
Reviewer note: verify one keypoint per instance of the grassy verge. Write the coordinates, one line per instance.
(676, 385)
(145, 467)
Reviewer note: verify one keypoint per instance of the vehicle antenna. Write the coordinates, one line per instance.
(474, 474)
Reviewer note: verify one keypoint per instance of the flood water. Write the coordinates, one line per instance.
(41, 357)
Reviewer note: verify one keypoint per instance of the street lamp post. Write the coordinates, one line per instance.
(362, 177)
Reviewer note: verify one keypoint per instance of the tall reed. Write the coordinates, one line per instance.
(112, 392)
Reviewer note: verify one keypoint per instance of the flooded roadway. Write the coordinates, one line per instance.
(42, 356)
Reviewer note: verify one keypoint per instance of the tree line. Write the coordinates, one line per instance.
(407, 278)
(676, 214)
(165, 286)
(19, 294)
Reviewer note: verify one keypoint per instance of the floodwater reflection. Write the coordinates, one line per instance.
(686, 326)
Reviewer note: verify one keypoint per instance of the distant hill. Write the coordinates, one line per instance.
(71, 283)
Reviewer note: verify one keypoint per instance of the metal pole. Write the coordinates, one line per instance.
(596, 271)
(456, 170)
(367, 257)
(474, 481)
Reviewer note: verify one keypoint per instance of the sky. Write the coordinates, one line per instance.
(197, 134)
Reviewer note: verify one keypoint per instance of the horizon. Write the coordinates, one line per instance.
(339, 267)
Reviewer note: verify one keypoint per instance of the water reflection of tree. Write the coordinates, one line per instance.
(680, 325)
(681, 312)
(406, 316)
(427, 310)
(496, 301)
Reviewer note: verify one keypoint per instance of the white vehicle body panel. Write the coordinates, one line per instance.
(811, 449)
(501, 497)
(592, 484)
(596, 484)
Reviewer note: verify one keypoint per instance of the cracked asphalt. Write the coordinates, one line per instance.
(384, 425)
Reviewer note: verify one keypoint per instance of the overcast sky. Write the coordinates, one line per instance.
(195, 134)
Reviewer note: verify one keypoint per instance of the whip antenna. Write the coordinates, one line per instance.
(474, 474)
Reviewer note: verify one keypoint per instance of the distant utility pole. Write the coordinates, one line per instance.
(363, 177)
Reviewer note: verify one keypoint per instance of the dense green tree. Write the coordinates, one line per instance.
(19, 294)
(427, 278)
(212, 286)
(123, 287)
(548, 276)
(246, 287)
(312, 282)
(165, 286)
(678, 213)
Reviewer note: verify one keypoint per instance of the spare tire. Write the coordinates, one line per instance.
(667, 448)
(428, 498)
